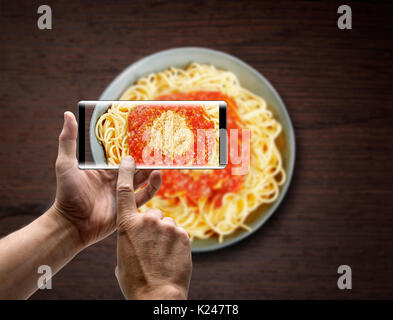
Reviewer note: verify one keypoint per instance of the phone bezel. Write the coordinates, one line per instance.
(223, 138)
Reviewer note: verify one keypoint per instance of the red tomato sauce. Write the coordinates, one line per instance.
(194, 184)
(143, 117)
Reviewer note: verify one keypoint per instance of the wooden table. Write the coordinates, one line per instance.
(337, 86)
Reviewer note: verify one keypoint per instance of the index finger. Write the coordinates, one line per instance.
(126, 204)
(141, 177)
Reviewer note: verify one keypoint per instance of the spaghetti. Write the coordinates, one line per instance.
(206, 202)
(163, 134)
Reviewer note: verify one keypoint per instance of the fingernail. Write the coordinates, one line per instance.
(66, 116)
(128, 160)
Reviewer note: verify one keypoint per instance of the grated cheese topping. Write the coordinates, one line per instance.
(171, 134)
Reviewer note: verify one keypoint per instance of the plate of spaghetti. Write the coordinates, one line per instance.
(216, 207)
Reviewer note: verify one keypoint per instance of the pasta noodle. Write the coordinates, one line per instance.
(166, 128)
(206, 203)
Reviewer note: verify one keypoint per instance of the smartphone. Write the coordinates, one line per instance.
(157, 134)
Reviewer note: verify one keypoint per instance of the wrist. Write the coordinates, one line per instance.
(163, 292)
(71, 233)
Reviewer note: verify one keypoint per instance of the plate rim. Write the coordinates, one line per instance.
(121, 77)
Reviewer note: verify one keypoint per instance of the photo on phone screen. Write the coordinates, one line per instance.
(157, 134)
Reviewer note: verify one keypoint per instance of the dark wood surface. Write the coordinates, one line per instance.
(337, 86)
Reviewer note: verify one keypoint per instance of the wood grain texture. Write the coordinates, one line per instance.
(337, 86)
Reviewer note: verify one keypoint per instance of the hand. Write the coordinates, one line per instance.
(86, 198)
(153, 254)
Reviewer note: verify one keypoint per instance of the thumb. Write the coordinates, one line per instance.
(126, 205)
(67, 139)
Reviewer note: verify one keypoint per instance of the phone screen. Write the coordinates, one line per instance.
(157, 134)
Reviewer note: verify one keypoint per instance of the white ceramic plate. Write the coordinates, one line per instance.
(97, 150)
(250, 79)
